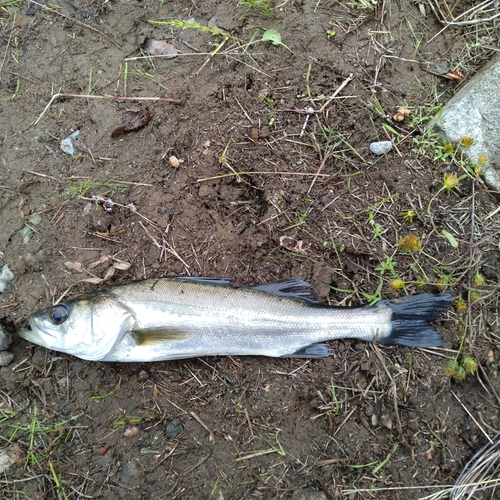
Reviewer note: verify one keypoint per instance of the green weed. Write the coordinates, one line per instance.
(263, 6)
(377, 229)
(193, 25)
(79, 189)
(362, 4)
(270, 103)
(92, 85)
(387, 266)
(275, 38)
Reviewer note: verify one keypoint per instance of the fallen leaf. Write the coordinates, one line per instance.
(454, 75)
(160, 48)
(75, 267)
(131, 121)
(102, 260)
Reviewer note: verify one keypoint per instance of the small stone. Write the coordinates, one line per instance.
(5, 339)
(130, 476)
(27, 231)
(67, 145)
(174, 161)
(172, 430)
(131, 431)
(380, 147)
(35, 261)
(6, 276)
(5, 358)
(143, 375)
(9, 456)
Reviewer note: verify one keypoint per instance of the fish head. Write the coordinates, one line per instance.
(88, 326)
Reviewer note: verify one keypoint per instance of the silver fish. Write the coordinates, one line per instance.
(184, 317)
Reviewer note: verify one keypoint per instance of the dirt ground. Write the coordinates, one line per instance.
(261, 191)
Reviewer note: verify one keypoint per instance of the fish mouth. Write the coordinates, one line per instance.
(36, 335)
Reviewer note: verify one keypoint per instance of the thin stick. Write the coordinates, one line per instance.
(344, 83)
(472, 416)
(318, 173)
(208, 59)
(259, 173)
(256, 454)
(113, 98)
(204, 425)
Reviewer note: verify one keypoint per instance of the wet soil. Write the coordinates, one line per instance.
(261, 191)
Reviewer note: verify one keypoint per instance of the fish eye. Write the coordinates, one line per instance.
(59, 313)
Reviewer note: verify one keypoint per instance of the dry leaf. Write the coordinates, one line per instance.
(132, 120)
(160, 48)
(122, 266)
(454, 75)
(102, 260)
(74, 267)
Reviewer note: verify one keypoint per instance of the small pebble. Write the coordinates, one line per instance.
(143, 375)
(67, 145)
(6, 276)
(174, 161)
(172, 430)
(130, 475)
(131, 431)
(5, 358)
(5, 339)
(381, 147)
(9, 456)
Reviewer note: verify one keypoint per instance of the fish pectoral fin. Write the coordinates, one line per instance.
(155, 336)
(310, 351)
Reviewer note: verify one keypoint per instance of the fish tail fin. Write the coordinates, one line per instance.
(411, 317)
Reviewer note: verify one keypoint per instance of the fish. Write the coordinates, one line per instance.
(183, 317)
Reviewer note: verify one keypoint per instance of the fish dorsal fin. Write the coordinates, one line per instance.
(291, 288)
(203, 280)
(160, 336)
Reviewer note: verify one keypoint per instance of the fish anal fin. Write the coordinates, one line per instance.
(156, 336)
(310, 351)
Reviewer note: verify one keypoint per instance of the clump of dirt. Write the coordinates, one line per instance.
(273, 178)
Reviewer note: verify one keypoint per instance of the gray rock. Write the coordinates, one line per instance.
(5, 339)
(35, 261)
(475, 112)
(308, 494)
(130, 475)
(380, 147)
(6, 276)
(173, 430)
(9, 456)
(5, 358)
(27, 231)
(67, 145)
